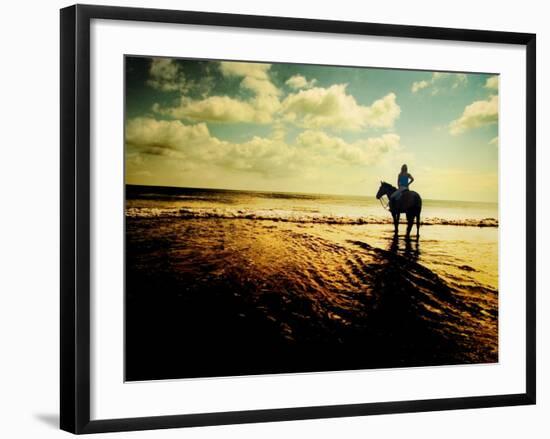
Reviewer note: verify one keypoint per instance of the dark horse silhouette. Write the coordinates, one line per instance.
(409, 203)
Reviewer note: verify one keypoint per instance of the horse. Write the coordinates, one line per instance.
(409, 203)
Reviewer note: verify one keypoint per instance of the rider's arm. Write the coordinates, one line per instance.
(411, 178)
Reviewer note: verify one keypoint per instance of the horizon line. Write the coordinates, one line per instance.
(297, 193)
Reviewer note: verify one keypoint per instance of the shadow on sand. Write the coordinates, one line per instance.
(399, 313)
(408, 319)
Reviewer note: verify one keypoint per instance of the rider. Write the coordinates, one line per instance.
(404, 179)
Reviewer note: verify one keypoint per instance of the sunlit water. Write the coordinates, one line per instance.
(339, 209)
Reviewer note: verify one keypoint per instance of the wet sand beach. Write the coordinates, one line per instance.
(210, 294)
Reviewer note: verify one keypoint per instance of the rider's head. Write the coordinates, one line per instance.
(404, 169)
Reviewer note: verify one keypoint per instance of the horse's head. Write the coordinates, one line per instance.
(385, 189)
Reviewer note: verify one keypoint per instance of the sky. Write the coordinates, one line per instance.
(310, 128)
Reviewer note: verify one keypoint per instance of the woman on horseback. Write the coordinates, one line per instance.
(411, 205)
(404, 179)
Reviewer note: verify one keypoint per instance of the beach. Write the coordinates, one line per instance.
(226, 283)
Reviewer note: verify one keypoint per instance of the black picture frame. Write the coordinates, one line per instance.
(75, 217)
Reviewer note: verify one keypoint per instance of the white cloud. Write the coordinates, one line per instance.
(419, 85)
(440, 81)
(245, 69)
(361, 152)
(213, 109)
(163, 137)
(260, 86)
(332, 107)
(492, 83)
(258, 109)
(195, 145)
(298, 81)
(459, 79)
(264, 155)
(166, 75)
(310, 108)
(256, 78)
(314, 108)
(477, 114)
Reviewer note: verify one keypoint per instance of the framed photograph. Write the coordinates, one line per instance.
(268, 218)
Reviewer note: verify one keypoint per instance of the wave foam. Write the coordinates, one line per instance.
(292, 216)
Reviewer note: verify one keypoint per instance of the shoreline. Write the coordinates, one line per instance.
(292, 217)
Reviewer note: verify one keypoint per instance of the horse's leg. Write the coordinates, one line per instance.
(418, 225)
(396, 216)
(410, 221)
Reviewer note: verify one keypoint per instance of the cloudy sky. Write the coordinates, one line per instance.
(305, 128)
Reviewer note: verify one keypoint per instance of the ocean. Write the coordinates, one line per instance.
(224, 283)
(147, 201)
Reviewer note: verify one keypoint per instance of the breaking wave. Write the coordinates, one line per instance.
(292, 216)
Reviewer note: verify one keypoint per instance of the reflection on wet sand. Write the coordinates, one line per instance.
(214, 297)
(410, 248)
